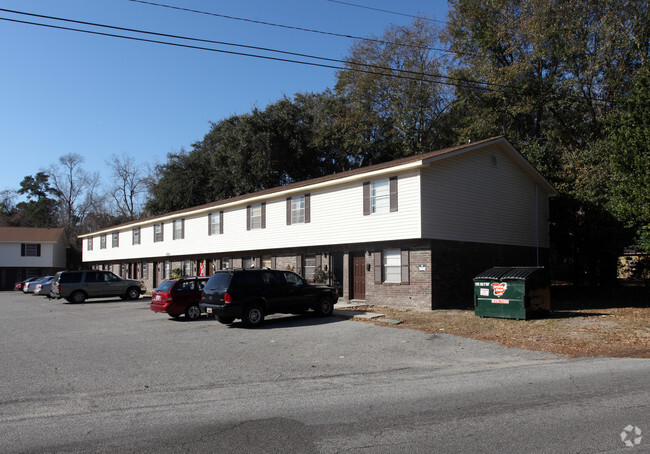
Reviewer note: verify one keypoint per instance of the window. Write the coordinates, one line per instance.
(256, 216)
(116, 239)
(179, 229)
(225, 263)
(309, 268)
(136, 235)
(267, 261)
(30, 250)
(187, 268)
(215, 223)
(102, 242)
(157, 232)
(380, 196)
(298, 210)
(392, 265)
(168, 269)
(145, 271)
(248, 262)
(89, 243)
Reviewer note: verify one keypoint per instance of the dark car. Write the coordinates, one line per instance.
(19, 285)
(30, 287)
(179, 296)
(250, 295)
(77, 286)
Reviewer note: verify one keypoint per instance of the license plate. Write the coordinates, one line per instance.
(208, 310)
(157, 298)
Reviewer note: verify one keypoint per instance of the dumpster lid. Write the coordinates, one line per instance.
(509, 272)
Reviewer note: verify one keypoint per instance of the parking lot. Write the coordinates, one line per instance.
(112, 376)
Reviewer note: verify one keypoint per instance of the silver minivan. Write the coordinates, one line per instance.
(77, 286)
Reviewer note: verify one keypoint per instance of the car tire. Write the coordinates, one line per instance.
(324, 308)
(133, 293)
(253, 316)
(225, 320)
(174, 316)
(193, 312)
(78, 297)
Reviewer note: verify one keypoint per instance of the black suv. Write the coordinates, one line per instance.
(251, 294)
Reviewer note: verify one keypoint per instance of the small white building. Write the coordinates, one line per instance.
(28, 252)
(411, 232)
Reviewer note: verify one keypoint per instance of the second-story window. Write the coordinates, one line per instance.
(90, 244)
(179, 229)
(256, 216)
(215, 223)
(157, 232)
(136, 235)
(380, 196)
(116, 239)
(102, 242)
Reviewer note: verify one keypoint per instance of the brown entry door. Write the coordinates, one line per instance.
(359, 276)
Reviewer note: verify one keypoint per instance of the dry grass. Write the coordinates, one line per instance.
(615, 331)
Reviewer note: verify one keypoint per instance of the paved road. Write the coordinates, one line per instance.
(111, 376)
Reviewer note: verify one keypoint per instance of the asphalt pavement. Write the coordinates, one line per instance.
(112, 376)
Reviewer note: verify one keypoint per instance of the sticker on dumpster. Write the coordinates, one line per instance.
(499, 288)
(500, 301)
(485, 292)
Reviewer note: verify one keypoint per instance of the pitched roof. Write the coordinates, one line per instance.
(30, 234)
(421, 158)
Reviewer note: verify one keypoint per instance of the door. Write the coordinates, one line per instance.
(358, 276)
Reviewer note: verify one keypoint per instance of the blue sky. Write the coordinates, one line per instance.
(68, 92)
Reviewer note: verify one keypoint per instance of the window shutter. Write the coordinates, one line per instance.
(273, 262)
(288, 210)
(38, 250)
(162, 231)
(182, 229)
(22, 250)
(263, 215)
(405, 267)
(378, 267)
(220, 222)
(307, 208)
(366, 198)
(393, 193)
(248, 217)
(209, 224)
(299, 264)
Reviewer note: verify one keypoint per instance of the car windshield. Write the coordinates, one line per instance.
(219, 281)
(165, 286)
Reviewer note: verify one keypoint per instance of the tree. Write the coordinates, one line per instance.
(130, 185)
(39, 210)
(396, 98)
(7, 207)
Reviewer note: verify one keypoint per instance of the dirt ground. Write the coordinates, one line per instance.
(615, 324)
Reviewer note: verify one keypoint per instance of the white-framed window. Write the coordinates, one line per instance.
(255, 221)
(298, 209)
(145, 270)
(157, 232)
(30, 250)
(380, 196)
(89, 243)
(187, 268)
(168, 269)
(225, 263)
(179, 229)
(116, 239)
(309, 268)
(102, 242)
(215, 220)
(392, 265)
(136, 235)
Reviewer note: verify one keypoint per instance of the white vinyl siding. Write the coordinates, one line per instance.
(468, 198)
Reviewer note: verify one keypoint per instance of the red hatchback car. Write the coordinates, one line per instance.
(179, 296)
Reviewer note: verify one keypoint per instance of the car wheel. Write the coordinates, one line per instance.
(133, 293)
(324, 308)
(225, 320)
(253, 316)
(77, 297)
(193, 312)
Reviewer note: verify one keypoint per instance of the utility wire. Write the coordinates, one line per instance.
(291, 27)
(422, 77)
(467, 82)
(385, 11)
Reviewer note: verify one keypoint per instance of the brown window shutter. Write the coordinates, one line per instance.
(209, 224)
(22, 250)
(307, 208)
(263, 215)
(366, 198)
(248, 217)
(393, 193)
(221, 222)
(378, 267)
(182, 229)
(162, 231)
(38, 250)
(299, 264)
(288, 210)
(405, 267)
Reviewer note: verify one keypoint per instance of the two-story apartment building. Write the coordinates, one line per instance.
(411, 232)
(28, 252)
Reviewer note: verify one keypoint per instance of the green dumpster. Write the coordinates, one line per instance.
(512, 292)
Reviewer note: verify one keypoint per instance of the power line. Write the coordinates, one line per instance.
(386, 11)
(402, 72)
(292, 27)
(264, 57)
